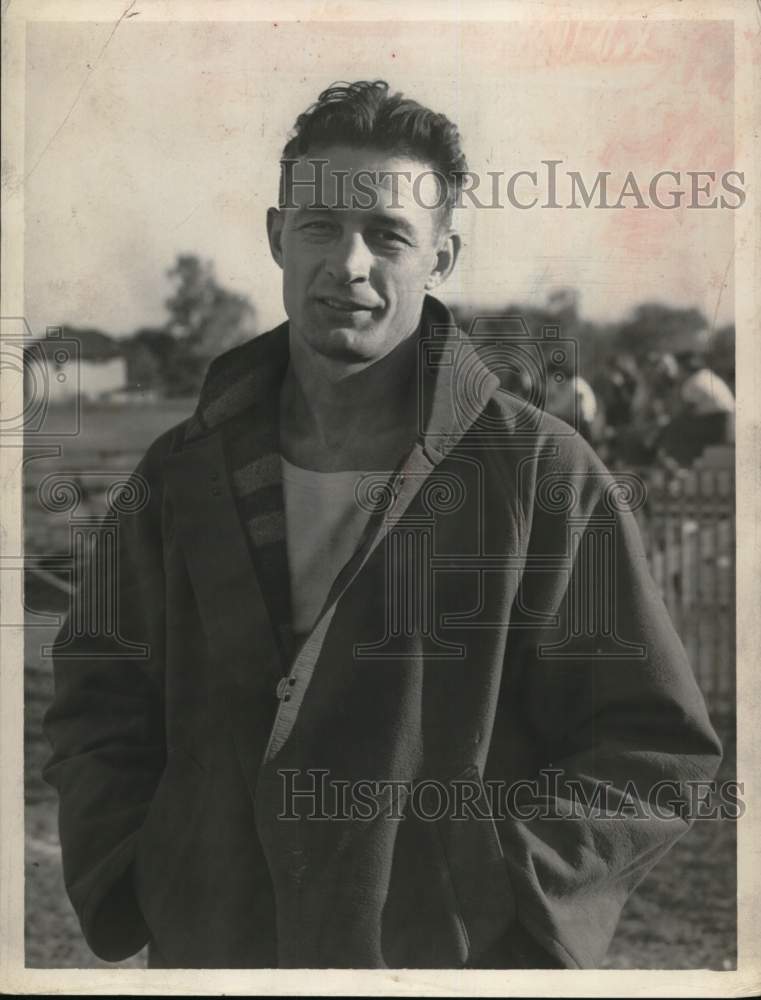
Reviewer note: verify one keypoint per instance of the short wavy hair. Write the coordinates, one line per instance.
(365, 114)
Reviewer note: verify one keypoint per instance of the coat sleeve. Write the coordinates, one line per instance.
(603, 691)
(105, 724)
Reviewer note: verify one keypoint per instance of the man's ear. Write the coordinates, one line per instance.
(446, 258)
(275, 220)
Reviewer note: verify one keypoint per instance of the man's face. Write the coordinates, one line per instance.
(354, 277)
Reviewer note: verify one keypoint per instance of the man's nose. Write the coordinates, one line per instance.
(349, 260)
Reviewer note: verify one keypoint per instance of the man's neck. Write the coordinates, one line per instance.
(361, 417)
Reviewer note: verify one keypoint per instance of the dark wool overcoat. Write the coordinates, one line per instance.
(497, 624)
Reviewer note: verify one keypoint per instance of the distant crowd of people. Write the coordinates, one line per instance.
(661, 409)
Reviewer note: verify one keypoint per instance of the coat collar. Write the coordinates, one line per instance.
(453, 382)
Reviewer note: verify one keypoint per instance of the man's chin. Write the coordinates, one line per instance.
(348, 344)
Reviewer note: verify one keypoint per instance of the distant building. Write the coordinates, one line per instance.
(97, 380)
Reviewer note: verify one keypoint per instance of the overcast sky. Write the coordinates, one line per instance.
(166, 141)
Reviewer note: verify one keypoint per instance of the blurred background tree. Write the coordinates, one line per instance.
(654, 327)
(150, 355)
(205, 320)
(721, 353)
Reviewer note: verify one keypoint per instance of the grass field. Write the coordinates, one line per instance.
(683, 916)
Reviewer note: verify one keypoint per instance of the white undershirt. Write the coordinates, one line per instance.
(323, 525)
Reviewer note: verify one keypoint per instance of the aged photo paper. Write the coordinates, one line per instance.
(381, 472)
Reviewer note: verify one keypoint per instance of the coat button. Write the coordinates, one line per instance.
(282, 687)
(217, 492)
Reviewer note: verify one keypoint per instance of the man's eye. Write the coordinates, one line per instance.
(388, 236)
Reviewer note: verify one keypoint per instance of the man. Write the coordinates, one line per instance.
(571, 398)
(703, 411)
(703, 393)
(357, 580)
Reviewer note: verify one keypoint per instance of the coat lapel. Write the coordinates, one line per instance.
(226, 488)
(240, 404)
(234, 614)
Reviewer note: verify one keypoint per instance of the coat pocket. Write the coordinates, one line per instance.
(164, 836)
(449, 898)
(472, 853)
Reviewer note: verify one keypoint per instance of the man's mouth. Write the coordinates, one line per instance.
(344, 305)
